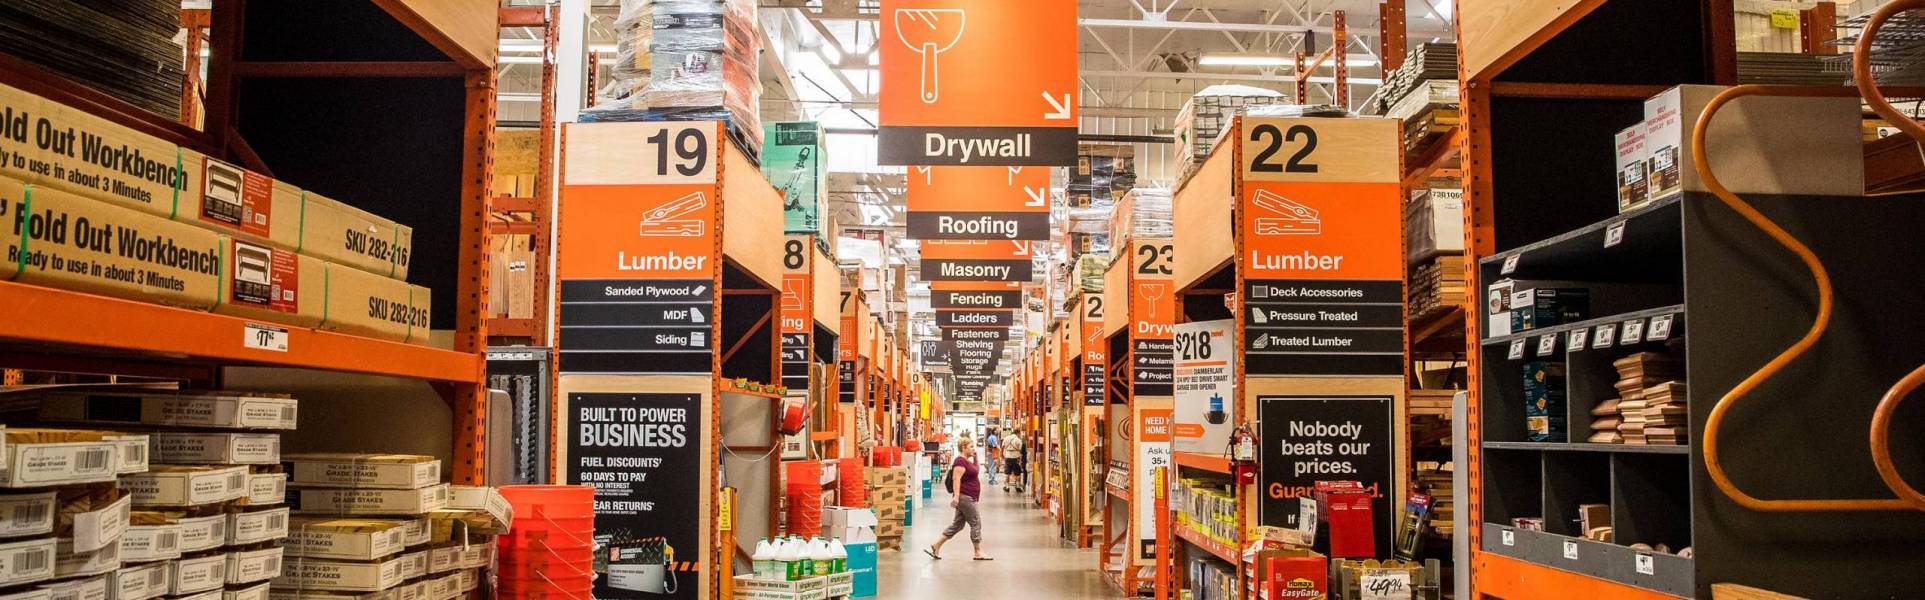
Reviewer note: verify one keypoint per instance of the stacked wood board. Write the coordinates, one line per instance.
(1436, 285)
(889, 495)
(124, 48)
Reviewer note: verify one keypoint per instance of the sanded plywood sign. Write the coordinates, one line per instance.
(978, 203)
(976, 261)
(973, 82)
(1320, 218)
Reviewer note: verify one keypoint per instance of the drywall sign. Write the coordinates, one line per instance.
(978, 203)
(967, 82)
(990, 261)
(1206, 400)
(1310, 439)
(1321, 224)
(1152, 315)
(637, 255)
(642, 454)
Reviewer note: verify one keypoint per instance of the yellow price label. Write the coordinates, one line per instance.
(1784, 18)
(726, 504)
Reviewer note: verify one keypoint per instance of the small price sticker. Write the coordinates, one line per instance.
(1570, 550)
(1604, 336)
(1517, 350)
(1614, 234)
(1645, 565)
(1660, 328)
(1510, 264)
(264, 337)
(1578, 337)
(1510, 538)
(1546, 345)
(1633, 332)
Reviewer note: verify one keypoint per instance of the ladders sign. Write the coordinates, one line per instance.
(637, 266)
(1320, 218)
(967, 82)
(978, 203)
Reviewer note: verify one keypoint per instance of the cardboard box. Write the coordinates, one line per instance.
(26, 514)
(88, 527)
(49, 457)
(1756, 152)
(132, 453)
(258, 526)
(328, 575)
(1434, 223)
(368, 502)
(1544, 402)
(40, 593)
(207, 595)
(198, 574)
(252, 592)
(366, 471)
(26, 561)
(1293, 574)
(111, 164)
(862, 564)
(217, 448)
(417, 531)
(250, 566)
(186, 485)
(1535, 306)
(80, 244)
(1633, 162)
(171, 408)
(141, 582)
(91, 588)
(443, 560)
(1497, 307)
(472, 511)
(143, 543)
(414, 564)
(266, 489)
(200, 533)
(344, 539)
(68, 563)
(841, 584)
(365, 304)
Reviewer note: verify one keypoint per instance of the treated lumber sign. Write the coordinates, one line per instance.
(970, 82)
(1320, 220)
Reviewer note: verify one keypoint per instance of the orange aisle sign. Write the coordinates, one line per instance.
(638, 264)
(1152, 314)
(971, 295)
(973, 82)
(1321, 223)
(995, 260)
(1095, 349)
(978, 203)
(798, 310)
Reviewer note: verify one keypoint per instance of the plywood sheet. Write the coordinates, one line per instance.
(468, 30)
(1204, 229)
(1489, 29)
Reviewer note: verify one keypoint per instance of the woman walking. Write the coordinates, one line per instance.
(964, 491)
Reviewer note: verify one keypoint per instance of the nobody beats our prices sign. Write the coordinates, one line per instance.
(1306, 440)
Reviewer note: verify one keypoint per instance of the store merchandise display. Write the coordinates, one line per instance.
(1143, 213)
(1516, 306)
(1203, 118)
(1650, 407)
(361, 503)
(1423, 63)
(550, 549)
(1206, 508)
(889, 495)
(125, 49)
(1544, 400)
(687, 60)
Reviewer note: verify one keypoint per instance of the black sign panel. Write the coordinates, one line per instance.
(975, 318)
(971, 334)
(1310, 439)
(1013, 146)
(974, 269)
(642, 454)
(636, 326)
(795, 360)
(983, 299)
(1323, 327)
(1153, 367)
(1092, 385)
(953, 225)
(846, 382)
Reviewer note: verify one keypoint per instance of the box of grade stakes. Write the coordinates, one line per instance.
(64, 240)
(368, 471)
(169, 408)
(49, 457)
(364, 501)
(54, 146)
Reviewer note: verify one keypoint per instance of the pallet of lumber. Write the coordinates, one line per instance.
(123, 48)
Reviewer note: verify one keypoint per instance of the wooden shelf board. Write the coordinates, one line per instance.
(67, 322)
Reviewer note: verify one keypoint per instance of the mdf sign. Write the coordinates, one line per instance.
(978, 203)
(978, 82)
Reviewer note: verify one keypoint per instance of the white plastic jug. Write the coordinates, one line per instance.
(765, 565)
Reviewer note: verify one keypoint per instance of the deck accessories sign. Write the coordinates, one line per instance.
(1320, 219)
(978, 83)
(978, 203)
(642, 454)
(1206, 400)
(1311, 439)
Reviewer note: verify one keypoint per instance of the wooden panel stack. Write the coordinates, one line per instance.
(124, 48)
(889, 494)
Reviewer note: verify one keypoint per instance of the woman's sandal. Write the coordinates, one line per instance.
(931, 553)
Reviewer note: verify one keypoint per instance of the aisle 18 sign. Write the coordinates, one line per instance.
(636, 260)
(1321, 223)
(798, 310)
(969, 82)
(978, 203)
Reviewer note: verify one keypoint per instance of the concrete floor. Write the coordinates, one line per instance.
(1031, 562)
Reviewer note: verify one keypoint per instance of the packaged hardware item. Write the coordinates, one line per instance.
(56, 147)
(1544, 401)
(368, 471)
(171, 408)
(1534, 306)
(1634, 184)
(48, 457)
(330, 575)
(368, 501)
(1824, 155)
(1434, 223)
(186, 485)
(345, 539)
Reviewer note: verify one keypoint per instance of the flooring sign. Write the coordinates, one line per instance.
(1310, 439)
(642, 454)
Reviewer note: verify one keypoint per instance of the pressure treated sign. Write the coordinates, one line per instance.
(637, 259)
(974, 82)
(1321, 224)
(978, 203)
(997, 260)
(642, 454)
(1152, 313)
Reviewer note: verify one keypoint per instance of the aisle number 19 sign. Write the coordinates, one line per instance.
(1321, 224)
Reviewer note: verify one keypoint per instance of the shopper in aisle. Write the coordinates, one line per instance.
(993, 451)
(1013, 461)
(965, 490)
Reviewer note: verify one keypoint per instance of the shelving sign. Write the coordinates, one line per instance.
(1320, 221)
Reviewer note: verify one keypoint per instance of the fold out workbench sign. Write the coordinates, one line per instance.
(978, 203)
(978, 82)
(976, 261)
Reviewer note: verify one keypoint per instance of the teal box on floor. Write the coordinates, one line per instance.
(908, 512)
(862, 563)
(928, 488)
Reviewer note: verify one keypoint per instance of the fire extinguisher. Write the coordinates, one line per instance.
(1243, 454)
(795, 415)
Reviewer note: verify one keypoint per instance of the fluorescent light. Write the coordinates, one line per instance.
(518, 60)
(1213, 59)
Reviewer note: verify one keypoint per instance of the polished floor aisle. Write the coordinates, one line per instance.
(1031, 563)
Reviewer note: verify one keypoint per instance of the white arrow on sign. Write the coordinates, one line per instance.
(1022, 248)
(1062, 108)
(928, 177)
(1037, 196)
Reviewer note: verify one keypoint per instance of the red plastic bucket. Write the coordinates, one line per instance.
(551, 501)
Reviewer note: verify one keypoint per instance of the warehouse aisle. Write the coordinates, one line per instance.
(1031, 563)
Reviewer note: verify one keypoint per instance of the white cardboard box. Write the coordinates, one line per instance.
(482, 499)
(187, 487)
(417, 531)
(258, 526)
(143, 543)
(370, 502)
(1633, 164)
(101, 528)
(40, 593)
(326, 575)
(172, 409)
(91, 588)
(26, 561)
(414, 564)
(363, 471)
(249, 566)
(132, 454)
(1753, 149)
(1434, 223)
(43, 465)
(198, 574)
(68, 563)
(253, 592)
(345, 539)
(142, 581)
(217, 448)
(26, 514)
(266, 489)
(202, 533)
